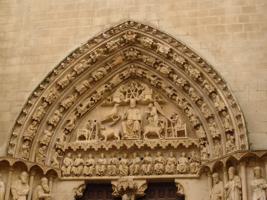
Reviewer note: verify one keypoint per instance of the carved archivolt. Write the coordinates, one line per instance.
(135, 88)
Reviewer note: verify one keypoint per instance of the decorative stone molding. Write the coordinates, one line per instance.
(88, 75)
(237, 157)
(129, 189)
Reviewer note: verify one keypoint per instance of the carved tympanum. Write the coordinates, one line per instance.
(130, 89)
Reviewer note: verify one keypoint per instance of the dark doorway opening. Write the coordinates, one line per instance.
(155, 191)
(97, 192)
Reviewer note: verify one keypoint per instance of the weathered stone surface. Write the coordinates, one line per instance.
(36, 35)
(229, 34)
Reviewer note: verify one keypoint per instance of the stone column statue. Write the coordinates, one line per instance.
(2, 188)
(42, 191)
(217, 188)
(233, 188)
(258, 185)
(20, 188)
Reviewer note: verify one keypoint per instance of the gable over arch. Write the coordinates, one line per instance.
(129, 52)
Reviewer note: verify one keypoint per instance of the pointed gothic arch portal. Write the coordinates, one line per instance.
(127, 98)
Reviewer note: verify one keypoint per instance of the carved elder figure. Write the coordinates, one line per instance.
(135, 164)
(204, 152)
(42, 191)
(227, 121)
(194, 162)
(20, 188)
(217, 149)
(123, 165)
(159, 164)
(67, 165)
(230, 143)
(258, 185)
(77, 167)
(31, 130)
(183, 163)
(112, 167)
(40, 112)
(146, 167)
(101, 165)
(233, 188)
(217, 188)
(171, 163)
(55, 158)
(89, 166)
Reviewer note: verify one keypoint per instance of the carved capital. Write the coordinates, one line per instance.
(180, 188)
(78, 191)
(129, 189)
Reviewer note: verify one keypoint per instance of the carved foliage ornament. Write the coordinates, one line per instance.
(89, 75)
(128, 188)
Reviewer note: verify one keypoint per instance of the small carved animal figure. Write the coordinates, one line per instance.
(108, 133)
(152, 130)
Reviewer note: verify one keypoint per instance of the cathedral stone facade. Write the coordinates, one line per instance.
(133, 113)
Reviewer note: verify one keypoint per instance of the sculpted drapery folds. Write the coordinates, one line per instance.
(233, 188)
(20, 187)
(259, 185)
(42, 191)
(217, 190)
